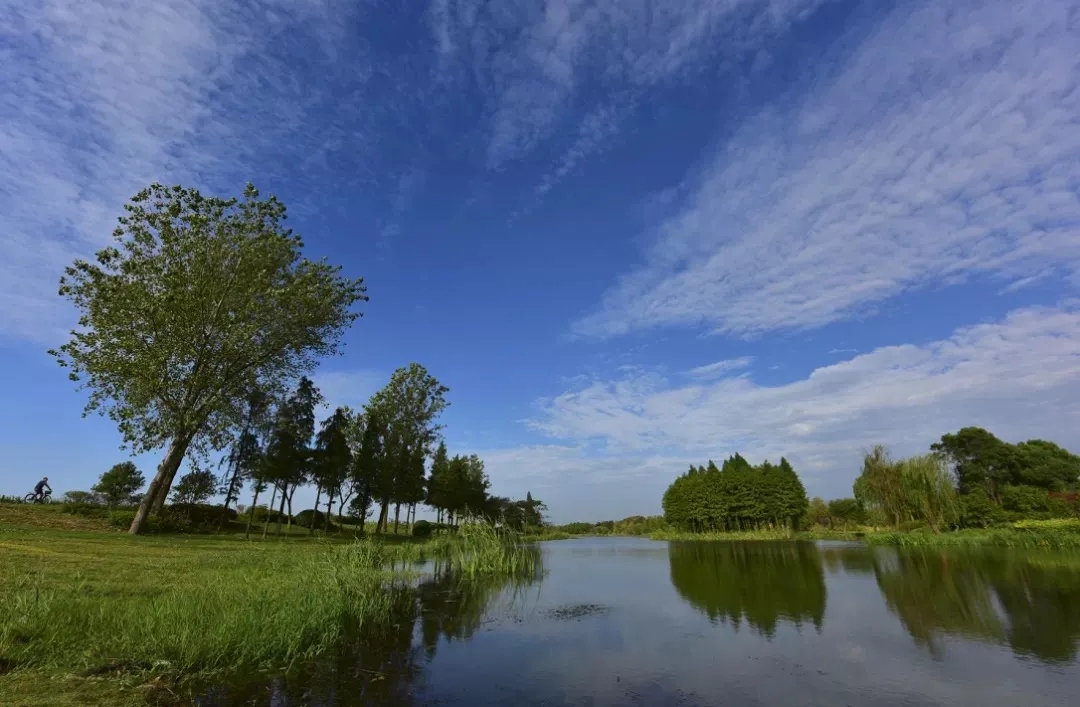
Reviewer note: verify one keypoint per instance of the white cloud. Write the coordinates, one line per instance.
(98, 99)
(718, 369)
(946, 145)
(539, 61)
(1019, 378)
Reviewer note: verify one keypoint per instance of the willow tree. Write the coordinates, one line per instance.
(199, 302)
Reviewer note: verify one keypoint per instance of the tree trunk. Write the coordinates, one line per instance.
(318, 495)
(251, 513)
(159, 485)
(397, 514)
(269, 510)
(329, 512)
(281, 512)
(384, 513)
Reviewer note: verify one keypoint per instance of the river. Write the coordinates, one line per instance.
(624, 621)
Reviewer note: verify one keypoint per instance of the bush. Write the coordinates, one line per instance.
(88, 510)
(88, 498)
(167, 523)
(422, 529)
(259, 514)
(978, 511)
(201, 514)
(304, 519)
(1025, 499)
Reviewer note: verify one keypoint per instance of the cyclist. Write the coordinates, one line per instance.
(39, 490)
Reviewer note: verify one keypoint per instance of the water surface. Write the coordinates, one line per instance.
(624, 621)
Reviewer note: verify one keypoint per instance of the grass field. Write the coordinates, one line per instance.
(92, 614)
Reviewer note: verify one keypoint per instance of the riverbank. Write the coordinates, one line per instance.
(87, 613)
(1062, 534)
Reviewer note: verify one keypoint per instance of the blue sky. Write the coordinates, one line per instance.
(627, 235)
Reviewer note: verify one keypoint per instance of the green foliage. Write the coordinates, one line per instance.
(422, 529)
(846, 512)
(406, 409)
(1025, 499)
(977, 510)
(261, 514)
(118, 485)
(760, 584)
(305, 518)
(199, 302)
(918, 489)
(194, 487)
(737, 496)
(81, 497)
(87, 510)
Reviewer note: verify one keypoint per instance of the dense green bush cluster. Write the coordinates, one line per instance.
(306, 518)
(422, 529)
(736, 496)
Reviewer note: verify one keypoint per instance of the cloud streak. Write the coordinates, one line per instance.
(98, 99)
(946, 146)
(538, 63)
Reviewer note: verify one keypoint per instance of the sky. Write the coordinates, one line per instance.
(627, 235)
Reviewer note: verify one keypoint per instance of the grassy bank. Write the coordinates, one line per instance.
(90, 604)
(1061, 534)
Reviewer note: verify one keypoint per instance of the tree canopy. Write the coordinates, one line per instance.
(119, 484)
(736, 496)
(200, 301)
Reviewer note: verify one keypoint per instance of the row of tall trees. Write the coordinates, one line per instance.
(736, 496)
(194, 326)
(374, 460)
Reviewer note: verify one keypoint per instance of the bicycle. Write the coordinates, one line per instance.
(33, 497)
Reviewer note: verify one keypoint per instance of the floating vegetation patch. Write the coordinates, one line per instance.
(574, 612)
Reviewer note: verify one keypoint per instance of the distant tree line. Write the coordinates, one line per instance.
(736, 496)
(968, 479)
(360, 463)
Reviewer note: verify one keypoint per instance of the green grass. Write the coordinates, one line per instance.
(83, 603)
(1034, 538)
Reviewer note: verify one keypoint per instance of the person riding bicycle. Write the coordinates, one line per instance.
(39, 490)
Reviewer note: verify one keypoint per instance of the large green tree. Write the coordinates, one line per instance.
(333, 458)
(736, 496)
(119, 484)
(408, 406)
(200, 301)
(290, 459)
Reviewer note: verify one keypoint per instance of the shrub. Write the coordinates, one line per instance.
(87, 498)
(121, 520)
(978, 511)
(88, 510)
(422, 529)
(304, 519)
(201, 514)
(259, 515)
(1025, 499)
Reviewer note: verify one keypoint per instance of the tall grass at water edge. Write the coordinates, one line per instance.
(1057, 534)
(186, 612)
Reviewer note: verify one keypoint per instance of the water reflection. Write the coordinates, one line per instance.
(877, 614)
(759, 582)
(1030, 603)
(383, 663)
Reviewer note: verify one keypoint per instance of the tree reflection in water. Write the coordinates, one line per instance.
(1029, 602)
(383, 663)
(759, 582)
